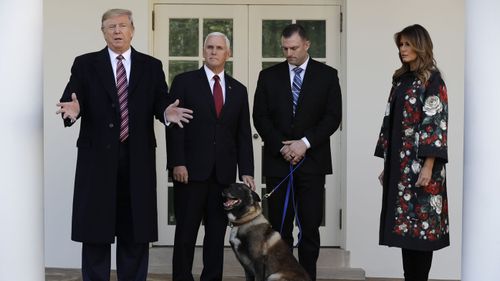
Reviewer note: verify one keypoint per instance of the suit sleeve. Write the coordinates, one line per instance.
(175, 134)
(244, 141)
(262, 117)
(332, 115)
(162, 99)
(75, 85)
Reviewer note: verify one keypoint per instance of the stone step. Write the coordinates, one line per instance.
(333, 263)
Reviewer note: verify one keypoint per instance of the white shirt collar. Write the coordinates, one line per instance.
(126, 54)
(303, 66)
(210, 74)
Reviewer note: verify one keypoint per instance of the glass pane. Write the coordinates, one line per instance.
(271, 37)
(219, 25)
(178, 66)
(266, 64)
(183, 40)
(316, 30)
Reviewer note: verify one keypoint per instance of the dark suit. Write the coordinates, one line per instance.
(212, 149)
(115, 183)
(317, 117)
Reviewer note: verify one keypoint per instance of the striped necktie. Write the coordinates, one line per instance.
(122, 86)
(296, 85)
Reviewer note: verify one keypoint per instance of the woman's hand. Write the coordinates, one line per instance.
(425, 176)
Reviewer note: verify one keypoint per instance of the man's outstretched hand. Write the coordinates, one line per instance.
(177, 115)
(69, 109)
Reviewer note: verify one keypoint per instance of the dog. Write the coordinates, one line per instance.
(260, 250)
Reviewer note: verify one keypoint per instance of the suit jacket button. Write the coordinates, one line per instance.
(111, 125)
(113, 105)
(108, 146)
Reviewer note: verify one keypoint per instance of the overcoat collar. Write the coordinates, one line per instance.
(105, 72)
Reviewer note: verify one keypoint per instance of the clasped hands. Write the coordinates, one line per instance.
(293, 151)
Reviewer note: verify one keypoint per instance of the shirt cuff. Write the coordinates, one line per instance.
(167, 123)
(308, 144)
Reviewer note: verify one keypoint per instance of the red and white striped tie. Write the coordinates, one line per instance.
(122, 86)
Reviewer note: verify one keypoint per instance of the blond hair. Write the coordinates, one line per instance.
(117, 12)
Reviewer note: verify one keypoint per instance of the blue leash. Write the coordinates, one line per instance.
(291, 188)
(279, 184)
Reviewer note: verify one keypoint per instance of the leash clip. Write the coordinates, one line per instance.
(267, 195)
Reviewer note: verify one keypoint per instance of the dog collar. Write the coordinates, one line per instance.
(246, 218)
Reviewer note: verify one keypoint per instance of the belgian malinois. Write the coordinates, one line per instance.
(260, 249)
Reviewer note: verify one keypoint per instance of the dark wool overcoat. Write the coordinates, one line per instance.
(94, 201)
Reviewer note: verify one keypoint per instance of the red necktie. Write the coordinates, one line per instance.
(122, 86)
(218, 99)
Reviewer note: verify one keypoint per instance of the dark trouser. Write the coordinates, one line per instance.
(131, 257)
(131, 261)
(309, 196)
(416, 264)
(194, 202)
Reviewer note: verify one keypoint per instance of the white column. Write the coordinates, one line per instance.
(21, 146)
(481, 214)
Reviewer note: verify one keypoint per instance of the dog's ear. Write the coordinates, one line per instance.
(255, 196)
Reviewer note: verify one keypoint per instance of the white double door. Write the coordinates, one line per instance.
(254, 31)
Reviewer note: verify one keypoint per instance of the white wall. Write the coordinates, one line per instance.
(72, 28)
(371, 61)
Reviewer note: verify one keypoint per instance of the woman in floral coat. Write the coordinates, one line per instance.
(413, 143)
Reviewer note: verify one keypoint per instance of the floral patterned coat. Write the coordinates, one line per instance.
(414, 127)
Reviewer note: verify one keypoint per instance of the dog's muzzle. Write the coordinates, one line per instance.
(230, 203)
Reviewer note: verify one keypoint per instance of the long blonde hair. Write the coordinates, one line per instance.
(421, 43)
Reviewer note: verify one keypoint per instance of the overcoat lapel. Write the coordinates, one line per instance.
(105, 73)
(136, 67)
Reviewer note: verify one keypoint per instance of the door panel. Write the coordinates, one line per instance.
(254, 32)
(178, 43)
(322, 24)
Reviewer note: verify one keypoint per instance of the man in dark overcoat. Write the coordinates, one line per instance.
(116, 93)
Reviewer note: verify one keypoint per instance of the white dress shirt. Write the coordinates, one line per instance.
(210, 77)
(291, 67)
